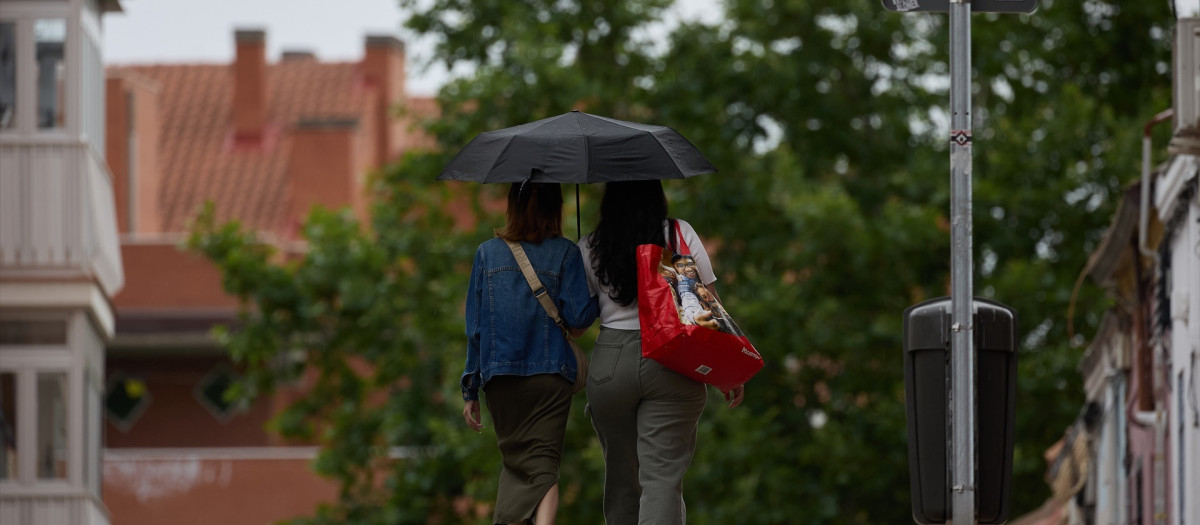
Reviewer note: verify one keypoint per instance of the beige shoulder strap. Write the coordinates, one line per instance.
(543, 297)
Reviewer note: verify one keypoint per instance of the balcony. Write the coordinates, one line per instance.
(57, 221)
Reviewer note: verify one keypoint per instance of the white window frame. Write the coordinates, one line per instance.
(24, 14)
(26, 362)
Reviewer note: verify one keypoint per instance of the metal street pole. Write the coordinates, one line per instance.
(960, 438)
(962, 353)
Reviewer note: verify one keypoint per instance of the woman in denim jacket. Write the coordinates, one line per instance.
(517, 355)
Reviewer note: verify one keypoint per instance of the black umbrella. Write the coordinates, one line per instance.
(577, 147)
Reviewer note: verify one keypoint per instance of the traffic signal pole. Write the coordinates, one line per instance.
(962, 355)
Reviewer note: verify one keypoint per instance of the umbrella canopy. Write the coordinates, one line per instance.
(577, 147)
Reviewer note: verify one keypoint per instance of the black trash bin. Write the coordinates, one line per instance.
(927, 388)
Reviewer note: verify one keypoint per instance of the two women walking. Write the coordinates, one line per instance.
(645, 415)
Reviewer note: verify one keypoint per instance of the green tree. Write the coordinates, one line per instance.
(367, 321)
(829, 217)
(854, 199)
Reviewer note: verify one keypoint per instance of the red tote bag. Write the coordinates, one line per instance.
(684, 326)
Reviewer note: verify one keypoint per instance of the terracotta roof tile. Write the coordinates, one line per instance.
(198, 158)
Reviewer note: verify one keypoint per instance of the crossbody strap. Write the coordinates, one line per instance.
(675, 241)
(543, 296)
(535, 284)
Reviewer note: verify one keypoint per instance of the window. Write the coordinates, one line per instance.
(127, 398)
(93, 417)
(211, 393)
(33, 332)
(33, 427)
(8, 75)
(1139, 504)
(8, 425)
(50, 35)
(1180, 459)
(52, 425)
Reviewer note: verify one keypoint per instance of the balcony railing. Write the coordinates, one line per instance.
(66, 506)
(57, 217)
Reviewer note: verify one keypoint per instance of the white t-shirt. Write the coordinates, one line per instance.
(612, 313)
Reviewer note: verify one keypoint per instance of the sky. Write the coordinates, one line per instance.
(1187, 7)
(201, 31)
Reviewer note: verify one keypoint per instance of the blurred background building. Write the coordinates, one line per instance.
(110, 382)
(60, 260)
(264, 142)
(1133, 454)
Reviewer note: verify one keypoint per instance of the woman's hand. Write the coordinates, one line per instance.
(705, 319)
(471, 415)
(734, 395)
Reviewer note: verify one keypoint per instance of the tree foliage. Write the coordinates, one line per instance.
(827, 120)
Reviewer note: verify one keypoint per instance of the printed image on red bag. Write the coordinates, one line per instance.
(684, 326)
(697, 304)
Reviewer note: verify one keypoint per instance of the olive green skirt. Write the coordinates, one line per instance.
(529, 414)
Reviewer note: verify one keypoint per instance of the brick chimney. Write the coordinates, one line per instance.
(132, 127)
(298, 55)
(383, 68)
(323, 166)
(250, 85)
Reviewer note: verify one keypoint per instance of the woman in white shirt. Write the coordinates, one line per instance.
(644, 414)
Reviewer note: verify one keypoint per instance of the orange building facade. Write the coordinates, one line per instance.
(264, 142)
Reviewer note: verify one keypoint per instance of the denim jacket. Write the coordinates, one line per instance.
(508, 331)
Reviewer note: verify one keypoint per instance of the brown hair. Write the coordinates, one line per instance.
(534, 212)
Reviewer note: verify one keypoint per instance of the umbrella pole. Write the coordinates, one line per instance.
(578, 229)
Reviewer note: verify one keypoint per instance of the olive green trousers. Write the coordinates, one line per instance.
(646, 417)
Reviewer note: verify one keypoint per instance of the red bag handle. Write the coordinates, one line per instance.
(682, 246)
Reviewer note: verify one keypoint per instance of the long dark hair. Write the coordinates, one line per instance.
(631, 213)
(534, 212)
